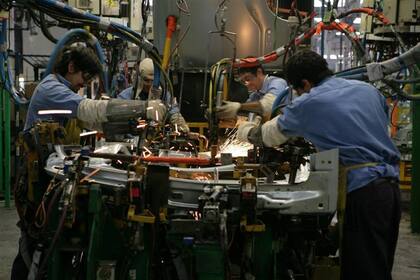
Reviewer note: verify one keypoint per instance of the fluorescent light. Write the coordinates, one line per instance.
(333, 56)
(317, 3)
(54, 112)
(88, 133)
(21, 82)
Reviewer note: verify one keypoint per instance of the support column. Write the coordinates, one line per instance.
(415, 185)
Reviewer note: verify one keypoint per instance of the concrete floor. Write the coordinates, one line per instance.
(406, 266)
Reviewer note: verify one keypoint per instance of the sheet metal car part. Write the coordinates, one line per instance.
(316, 195)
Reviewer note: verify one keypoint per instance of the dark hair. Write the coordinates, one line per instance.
(306, 65)
(84, 59)
(253, 70)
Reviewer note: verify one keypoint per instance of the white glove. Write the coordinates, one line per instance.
(178, 120)
(156, 110)
(228, 110)
(245, 128)
(271, 134)
(266, 103)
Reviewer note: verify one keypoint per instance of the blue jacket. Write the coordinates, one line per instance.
(351, 116)
(128, 94)
(52, 93)
(271, 84)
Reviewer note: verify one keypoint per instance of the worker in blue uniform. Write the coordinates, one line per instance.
(264, 89)
(75, 67)
(145, 91)
(353, 117)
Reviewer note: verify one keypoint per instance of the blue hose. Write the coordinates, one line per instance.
(110, 27)
(351, 72)
(156, 75)
(6, 74)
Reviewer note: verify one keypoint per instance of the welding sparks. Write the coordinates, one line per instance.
(235, 147)
(148, 153)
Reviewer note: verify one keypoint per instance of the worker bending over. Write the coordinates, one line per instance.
(76, 66)
(353, 117)
(264, 90)
(146, 92)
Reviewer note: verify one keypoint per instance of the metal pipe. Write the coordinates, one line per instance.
(7, 150)
(171, 28)
(174, 160)
(415, 190)
(322, 34)
(4, 122)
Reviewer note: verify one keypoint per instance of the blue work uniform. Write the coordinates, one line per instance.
(283, 99)
(52, 93)
(127, 94)
(351, 116)
(274, 85)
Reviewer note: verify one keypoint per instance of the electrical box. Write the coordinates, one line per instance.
(136, 20)
(409, 11)
(402, 12)
(135, 15)
(92, 6)
(366, 21)
(110, 8)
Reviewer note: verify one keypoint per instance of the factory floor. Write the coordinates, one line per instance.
(406, 265)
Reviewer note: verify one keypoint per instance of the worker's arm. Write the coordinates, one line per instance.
(261, 107)
(230, 110)
(126, 94)
(269, 133)
(114, 110)
(253, 107)
(277, 131)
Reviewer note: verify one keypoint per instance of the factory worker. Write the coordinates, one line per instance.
(353, 117)
(264, 89)
(146, 92)
(75, 67)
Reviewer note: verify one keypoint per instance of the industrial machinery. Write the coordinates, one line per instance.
(153, 221)
(151, 208)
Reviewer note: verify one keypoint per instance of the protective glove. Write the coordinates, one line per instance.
(271, 134)
(155, 110)
(155, 93)
(178, 120)
(267, 102)
(245, 129)
(228, 110)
